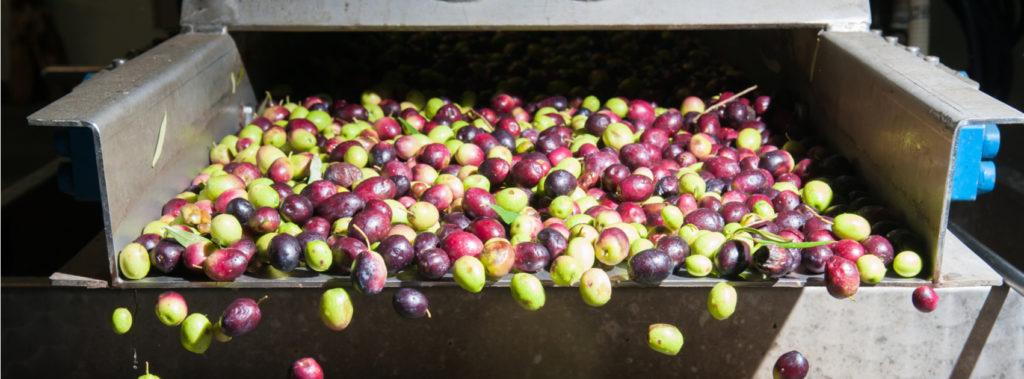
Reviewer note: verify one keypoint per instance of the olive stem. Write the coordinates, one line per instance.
(261, 299)
(726, 101)
(365, 238)
(818, 215)
(428, 313)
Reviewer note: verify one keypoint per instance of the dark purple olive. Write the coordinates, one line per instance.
(283, 190)
(425, 241)
(773, 261)
(477, 203)
(241, 317)
(319, 191)
(381, 153)
(148, 241)
(749, 181)
(671, 120)
(345, 250)
(341, 205)
(650, 267)
(410, 303)
(377, 187)
(676, 248)
(733, 258)
(307, 236)
(369, 273)
(319, 225)
(790, 220)
(467, 133)
(285, 252)
(558, 183)
(297, 209)
(457, 218)
(343, 174)
(733, 211)
(814, 258)
(496, 170)
(553, 241)
(597, 123)
(716, 185)
(505, 138)
(433, 263)
(613, 175)
(776, 162)
(531, 257)
(791, 365)
(447, 229)
(369, 225)
(879, 246)
(165, 255)
(786, 201)
(705, 219)
(241, 208)
(402, 185)
(397, 253)
(527, 173)
(667, 186)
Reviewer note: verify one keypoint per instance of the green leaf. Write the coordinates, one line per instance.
(160, 140)
(315, 169)
(264, 104)
(801, 245)
(406, 127)
(506, 215)
(775, 239)
(184, 238)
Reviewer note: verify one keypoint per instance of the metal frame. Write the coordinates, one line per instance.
(391, 15)
(854, 79)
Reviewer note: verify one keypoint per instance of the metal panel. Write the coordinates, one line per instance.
(188, 79)
(974, 330)
(897, 115)
(520, 15)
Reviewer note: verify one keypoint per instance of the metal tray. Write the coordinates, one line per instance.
(897, 113)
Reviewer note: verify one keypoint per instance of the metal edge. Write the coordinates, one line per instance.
(395, 15)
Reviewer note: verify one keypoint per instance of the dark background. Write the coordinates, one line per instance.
(48, 47)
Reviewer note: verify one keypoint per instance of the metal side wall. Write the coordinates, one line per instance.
(897, 115)
(188, 79)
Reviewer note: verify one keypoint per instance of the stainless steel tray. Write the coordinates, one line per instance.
(895, 112)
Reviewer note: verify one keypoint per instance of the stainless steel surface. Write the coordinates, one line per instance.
(188, 79)
(237, 15)
(967, 270)
(897, 116)
(1011, 275)
(976, 331)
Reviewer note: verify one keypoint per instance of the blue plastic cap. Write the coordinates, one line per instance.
(986, 177)
(990, 144)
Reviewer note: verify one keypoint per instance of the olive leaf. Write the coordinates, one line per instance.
(506, 215)
(160, 140)
(775, 239)
(406, 127)
(184, 238)
(315, 169)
